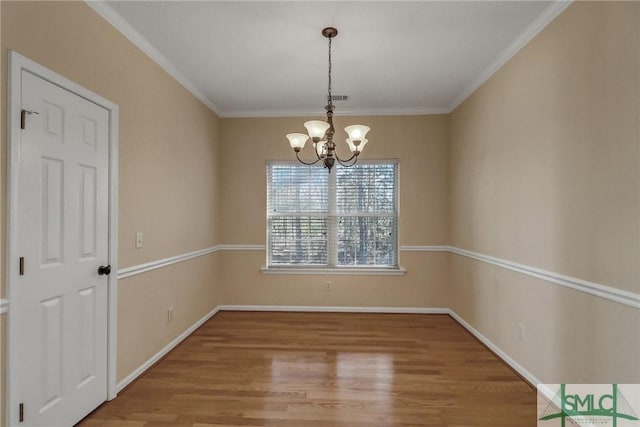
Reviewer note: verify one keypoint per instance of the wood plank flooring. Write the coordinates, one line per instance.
(324, 369)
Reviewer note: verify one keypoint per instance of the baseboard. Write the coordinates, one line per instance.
(528, 376)
(159, 355)
(335, 309)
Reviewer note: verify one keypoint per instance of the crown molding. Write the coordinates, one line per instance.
(525, 37)
(339, 112)
(120, 24)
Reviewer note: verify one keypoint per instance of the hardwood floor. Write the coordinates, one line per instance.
(325, 369)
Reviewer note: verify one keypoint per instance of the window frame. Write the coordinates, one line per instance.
(332, 232)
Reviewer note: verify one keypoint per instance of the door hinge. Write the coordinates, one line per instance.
(21, 412)
(22, 266)
(23, 117)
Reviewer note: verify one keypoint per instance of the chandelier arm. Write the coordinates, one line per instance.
(307, 163)
(315, 149)
(345, 162)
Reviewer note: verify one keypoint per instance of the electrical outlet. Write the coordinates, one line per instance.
(170, 315)
(139, 240)
(328, 284)
(521, 333)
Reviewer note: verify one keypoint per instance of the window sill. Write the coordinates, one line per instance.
(335, 271)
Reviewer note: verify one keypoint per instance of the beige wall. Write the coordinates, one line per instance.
(545, 171)
(168, 166)
(539, 166)
(420, 142)
(190, 287)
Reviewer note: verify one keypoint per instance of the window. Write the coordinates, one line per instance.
(346, 218)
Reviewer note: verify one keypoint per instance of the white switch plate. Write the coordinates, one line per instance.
(139, 240)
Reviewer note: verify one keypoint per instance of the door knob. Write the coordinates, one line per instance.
(104, 270)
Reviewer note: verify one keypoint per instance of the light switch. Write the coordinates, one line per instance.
(139, 240)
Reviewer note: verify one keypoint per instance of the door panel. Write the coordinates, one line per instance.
(87, 221)
(63, 235)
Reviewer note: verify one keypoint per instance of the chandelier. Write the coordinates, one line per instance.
(321, 133)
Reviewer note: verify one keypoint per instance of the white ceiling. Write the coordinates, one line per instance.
(268, 58)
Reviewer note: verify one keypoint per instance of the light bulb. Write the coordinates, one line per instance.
(316, 128)
(353, 147)
(297, 140)
(357, 132)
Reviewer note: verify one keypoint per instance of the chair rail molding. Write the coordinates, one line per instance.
(613, 294)
(164, 262)
(4, 305)
(596, 289)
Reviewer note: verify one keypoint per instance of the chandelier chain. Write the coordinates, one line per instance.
(322, 133)
(330, 98)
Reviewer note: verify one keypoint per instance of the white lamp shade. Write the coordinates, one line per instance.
(357, 132)
(321, 149)
(316, 128)
(297, 140)
(360, 146)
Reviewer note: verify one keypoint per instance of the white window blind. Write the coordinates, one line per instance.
(346, 218)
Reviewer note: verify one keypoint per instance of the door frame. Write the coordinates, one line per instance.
(17, 64)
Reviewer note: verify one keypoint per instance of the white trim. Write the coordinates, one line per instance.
(114, 131)
(345, 271)
(591, 288)
(330, 309)
(166, 349)
(607, 292)
(241, 247)
(497, 350)
(4, 305)
(154, 265)
(407, 310)
(343, 113)
(436, 248)
(547, 392)
(120, 24)
(529, 33)
(18, 63)
(335, 309)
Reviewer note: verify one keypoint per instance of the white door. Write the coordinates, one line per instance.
(63, 226)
